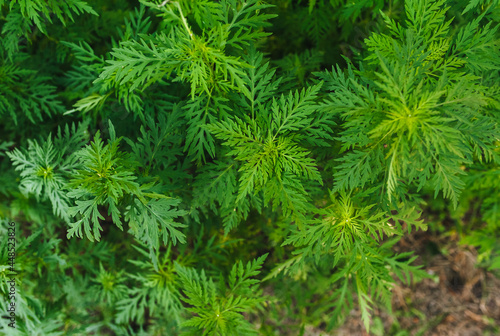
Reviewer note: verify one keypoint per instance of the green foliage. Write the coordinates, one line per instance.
(22, 13)
(35, 10)
(25, 91)
(108, 180)
(349, 237)
(215, 134)
(102, 183)
(154, 290)
(219, 307)
(45, 168)
(415, 104)
(198, 60)
(269, 147)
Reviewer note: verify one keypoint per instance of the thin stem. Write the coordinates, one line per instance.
(184, 21)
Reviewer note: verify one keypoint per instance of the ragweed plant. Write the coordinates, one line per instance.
(174, 168)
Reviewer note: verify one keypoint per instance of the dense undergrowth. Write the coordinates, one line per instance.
(216, 167)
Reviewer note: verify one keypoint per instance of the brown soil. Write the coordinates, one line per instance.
(459, 300)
